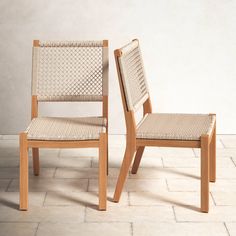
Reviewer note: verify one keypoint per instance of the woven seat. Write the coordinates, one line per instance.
(175, 126)
(51, 128)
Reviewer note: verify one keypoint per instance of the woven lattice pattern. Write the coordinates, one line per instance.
(60, 128)
(175, 126)
(71, 71)
(133, 75)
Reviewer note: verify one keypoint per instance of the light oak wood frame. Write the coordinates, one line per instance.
(135, 147)
(101, 144)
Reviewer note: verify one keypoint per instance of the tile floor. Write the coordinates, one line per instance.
(162, 199)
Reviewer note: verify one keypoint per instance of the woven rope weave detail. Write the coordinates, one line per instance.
(61, 128)
(71, 43)
(133, 76)
(68, 71)
(175, 126)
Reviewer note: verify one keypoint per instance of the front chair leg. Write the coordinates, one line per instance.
(128, 157)
(213, 157)
(23, 172)
(137, 160)
(35, 154)
(205, 173)
(103, 172)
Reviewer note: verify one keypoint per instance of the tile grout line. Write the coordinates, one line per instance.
(227, 230)
(222, 143)
(173, 208)
(44, 200)
(233, 161)
(132, 228)
(36, 231)
(213, 199)
(8, 186)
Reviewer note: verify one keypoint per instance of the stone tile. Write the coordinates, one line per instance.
(10, 137)
(85, 229)
(131, 214)
(14, 173)
(159, 173)
(79, 152)
(231, 228)
(117, 141)
(116, 161)
(224, 198)
(3, 184)
(11, 199)
(229, 141)
(170, 229)
(43, 214)
(44, 185)
(62, 162)
(9, 148)
(177, 152)
(81, 198)
(223, 185)
(165, 198)
(18, 229)
(216, 214)
(9, 162)
(182, 185)
(220, 152)
(47, 152)
(181, 162)
(83, 173)
(194, 162)
(132, 185)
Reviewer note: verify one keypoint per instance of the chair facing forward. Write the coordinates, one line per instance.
(67, 71)
(159, 129)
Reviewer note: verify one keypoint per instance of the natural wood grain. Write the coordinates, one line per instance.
(23, 172)
(137, 160)
(205, 173)
(103, 172)
(213, 156)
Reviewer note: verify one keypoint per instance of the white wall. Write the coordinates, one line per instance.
(189, 51)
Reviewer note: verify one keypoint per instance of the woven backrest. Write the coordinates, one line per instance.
(70, 71)
(133, 75)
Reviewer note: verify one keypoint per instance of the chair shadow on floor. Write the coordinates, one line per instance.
(9, 204)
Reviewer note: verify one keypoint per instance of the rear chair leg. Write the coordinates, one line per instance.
(129, 153)
(103, 171)
(205, 173)
(23, 172)
(35, 153)
(137, 160)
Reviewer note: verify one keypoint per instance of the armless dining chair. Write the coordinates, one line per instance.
(67, 71)
(159, 129)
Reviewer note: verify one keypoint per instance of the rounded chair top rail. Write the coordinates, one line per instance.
(70, 43)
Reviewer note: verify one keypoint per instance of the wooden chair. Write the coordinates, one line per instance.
(70, 71)
(158, 129)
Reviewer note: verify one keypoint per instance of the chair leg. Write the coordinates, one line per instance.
(103, 172)
(205, 173)
(23, 172)
(213, 157)
(137, 160)
(128, 157)
(35, 153)
(107, 154)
